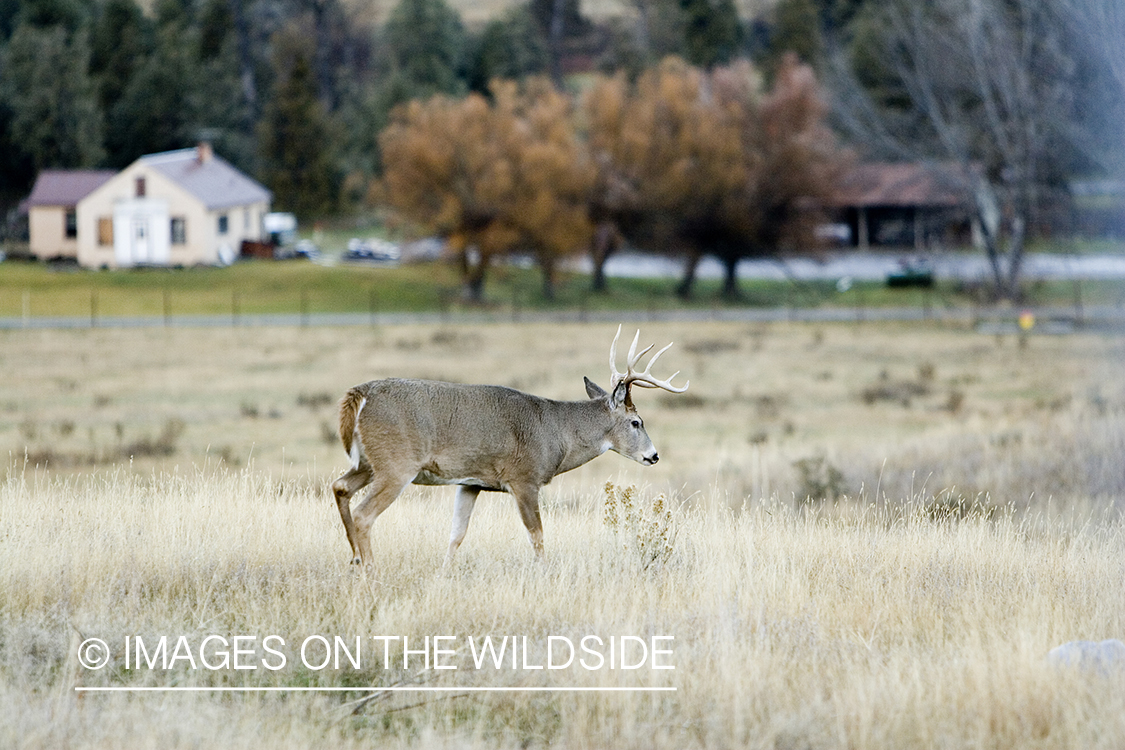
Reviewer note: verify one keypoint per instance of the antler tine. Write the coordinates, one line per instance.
(656, 356)
(644, 379)
(614, 376)
(634, 355)
(651, 382)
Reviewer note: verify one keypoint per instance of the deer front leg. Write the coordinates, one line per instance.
(527, 500)
(462, 510)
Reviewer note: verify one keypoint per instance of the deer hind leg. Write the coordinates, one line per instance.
(462, 510)
(378, 498)
(527, 500)
(348, 484)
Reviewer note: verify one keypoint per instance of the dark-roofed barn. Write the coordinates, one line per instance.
(905, 204)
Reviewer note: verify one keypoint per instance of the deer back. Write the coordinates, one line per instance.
(481, 435)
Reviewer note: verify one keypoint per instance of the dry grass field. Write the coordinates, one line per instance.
(868, 536)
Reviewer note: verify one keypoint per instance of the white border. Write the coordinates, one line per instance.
(404, 689)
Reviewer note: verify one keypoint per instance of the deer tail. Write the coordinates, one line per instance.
(350, 406)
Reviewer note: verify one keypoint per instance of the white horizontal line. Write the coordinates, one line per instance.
(403, 689)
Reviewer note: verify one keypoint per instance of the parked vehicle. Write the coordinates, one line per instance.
(912, 272)
(371, 251)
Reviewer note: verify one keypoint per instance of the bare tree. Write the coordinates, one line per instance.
(988, 85)
(1101, 24)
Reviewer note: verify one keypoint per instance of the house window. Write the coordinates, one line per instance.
(140, 187)
(179, 231)
(105, 230)
(245, 220)
(224, 223)
(71, 224)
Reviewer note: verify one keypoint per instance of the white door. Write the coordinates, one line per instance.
(142, 232)
(140, 241)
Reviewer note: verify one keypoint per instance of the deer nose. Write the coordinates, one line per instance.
(650, 460)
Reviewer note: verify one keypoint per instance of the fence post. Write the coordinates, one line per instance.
(166, 305)
(26, 308)
(372, 303)
(234, 307)
(93, 307)
(304, 307)
(1079, 316)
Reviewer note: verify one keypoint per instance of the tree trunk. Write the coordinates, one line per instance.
(606, 242)
(683, 291)
(245, 57)
(321, 63)
(730, 278)
(555, 39)
(1006, 263)
(474, 288)
(548, 266)
(472, 274)
(988, 213)
(1015, 255)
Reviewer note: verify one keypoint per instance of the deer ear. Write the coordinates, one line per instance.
(620, 395)
(593, 390)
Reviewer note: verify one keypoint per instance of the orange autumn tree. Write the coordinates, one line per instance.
(697, 163)
(491, 176)
(666, 157)
(552, 171)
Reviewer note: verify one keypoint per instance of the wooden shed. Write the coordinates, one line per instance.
(905, 205)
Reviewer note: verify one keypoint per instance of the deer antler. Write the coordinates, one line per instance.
(631, 377)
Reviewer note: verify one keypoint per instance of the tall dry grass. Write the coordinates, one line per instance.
(852, 625)
(914, 609)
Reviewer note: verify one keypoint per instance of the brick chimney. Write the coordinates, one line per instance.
(203, 152)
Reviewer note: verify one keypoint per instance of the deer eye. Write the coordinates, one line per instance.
(636, 424)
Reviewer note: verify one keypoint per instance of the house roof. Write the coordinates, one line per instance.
(65, 187)
(208, 177)
(901, 184)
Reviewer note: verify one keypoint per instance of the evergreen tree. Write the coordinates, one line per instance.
(510, 47)
(120, 46)
(428, 44)
(9, 18)
(45, 81)
(796, 29)
(216, 26)
(294, 142)
(155, 112)
(17, 170)
(70, 15)
(712, 32)
(221, 110)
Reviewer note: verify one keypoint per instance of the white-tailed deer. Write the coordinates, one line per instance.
(481, 437)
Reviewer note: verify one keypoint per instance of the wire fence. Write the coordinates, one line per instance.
(102, 308)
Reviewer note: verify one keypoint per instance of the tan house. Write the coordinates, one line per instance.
(179, 208)
(52, 210)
